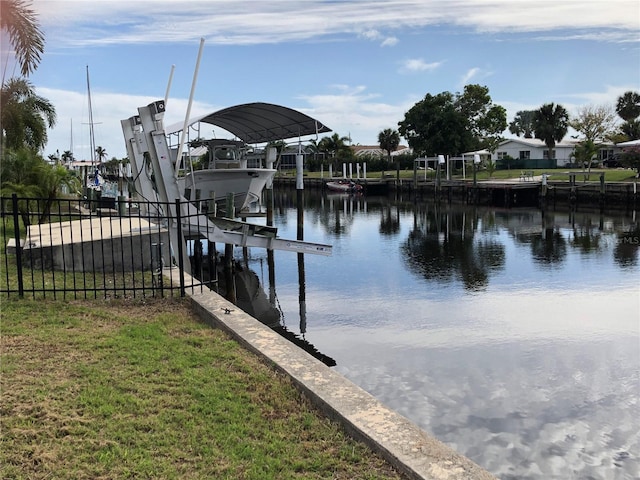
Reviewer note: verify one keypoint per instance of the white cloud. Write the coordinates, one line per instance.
(472, 72)
(371, 34)
(354, 111)
(375, 35)
(72, 128)
(389, 42)
(346, 108)
(418, 65)
(252, 22)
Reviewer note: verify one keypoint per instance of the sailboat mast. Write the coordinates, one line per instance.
(92, 140)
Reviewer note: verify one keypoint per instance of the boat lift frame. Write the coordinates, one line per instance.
(146, 141)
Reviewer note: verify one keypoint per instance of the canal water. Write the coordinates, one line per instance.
(511, 335)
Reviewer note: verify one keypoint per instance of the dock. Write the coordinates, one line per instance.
(510, 193)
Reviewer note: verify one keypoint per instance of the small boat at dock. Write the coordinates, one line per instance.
(344, 186)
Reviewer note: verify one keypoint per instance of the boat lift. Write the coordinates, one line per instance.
(148, 151)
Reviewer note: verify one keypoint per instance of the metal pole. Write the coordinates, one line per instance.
(186, 118)
(271, 157)
(299, 196)
(16, 227)
(180, 247)
(166, 95)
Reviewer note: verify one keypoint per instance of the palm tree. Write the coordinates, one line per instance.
(101, 153)
(24, 116)
(19, 21)
(631, 129)
(27, 174)
(333, 145)
(67, 156)
(628, 106)
(522, 123)
(389, 140)
(550, 124)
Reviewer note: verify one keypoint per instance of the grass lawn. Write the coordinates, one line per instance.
(141, 389)
(557, 174)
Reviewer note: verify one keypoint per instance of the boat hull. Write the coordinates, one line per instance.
(344, 187)
(246, 184)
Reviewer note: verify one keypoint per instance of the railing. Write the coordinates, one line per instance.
(75, 248)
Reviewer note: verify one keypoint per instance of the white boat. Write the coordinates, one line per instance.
(220, 170)
(222, 167)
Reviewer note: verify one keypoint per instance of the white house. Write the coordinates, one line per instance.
(529, 150)
(534, 149)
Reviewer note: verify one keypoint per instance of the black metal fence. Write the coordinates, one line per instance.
(84, 248)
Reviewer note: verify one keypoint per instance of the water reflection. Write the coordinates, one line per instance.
(240, 284)
(512, 335)
(443, 244)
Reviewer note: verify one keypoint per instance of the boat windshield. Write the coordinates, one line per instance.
(228, 154)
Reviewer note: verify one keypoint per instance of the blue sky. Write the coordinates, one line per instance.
(355, 65)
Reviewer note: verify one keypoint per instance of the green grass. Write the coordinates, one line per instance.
(557, 174)
(141, 389)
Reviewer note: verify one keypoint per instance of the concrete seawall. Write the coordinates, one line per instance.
(405, 446)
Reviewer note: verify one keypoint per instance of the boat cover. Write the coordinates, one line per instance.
(259, 122)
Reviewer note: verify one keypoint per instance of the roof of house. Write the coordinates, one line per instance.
(537, 143)
(630, 143)
(376, 150)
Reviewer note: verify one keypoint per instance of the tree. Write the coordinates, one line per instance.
(628, 109)
(111, 167)
(550, 124)
(389, 140)
(430, 124)
(596, 123)
(631, 158)
(335, 147)
(628, 106)
(451, 124)
(631, 129)
(25, 36)
(27, 174)
(279, 145)
(67, 156)
(24, 115)
(101, 153)
(522, 124)
(585, 152)
(486, 121)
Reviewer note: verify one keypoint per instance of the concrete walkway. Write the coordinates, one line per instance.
(409, 449)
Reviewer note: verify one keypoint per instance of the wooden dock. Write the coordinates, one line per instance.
(504, 193)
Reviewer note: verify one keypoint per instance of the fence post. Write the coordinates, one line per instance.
(16, 227)
(180, 252)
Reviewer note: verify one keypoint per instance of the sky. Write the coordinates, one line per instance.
(357, 66)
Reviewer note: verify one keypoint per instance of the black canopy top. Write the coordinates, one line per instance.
(260, 122)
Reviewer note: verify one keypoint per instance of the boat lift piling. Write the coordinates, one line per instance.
(151, 150)
(271, 155)
(301, 275)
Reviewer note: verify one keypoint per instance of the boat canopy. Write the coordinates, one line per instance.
(259, 122)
